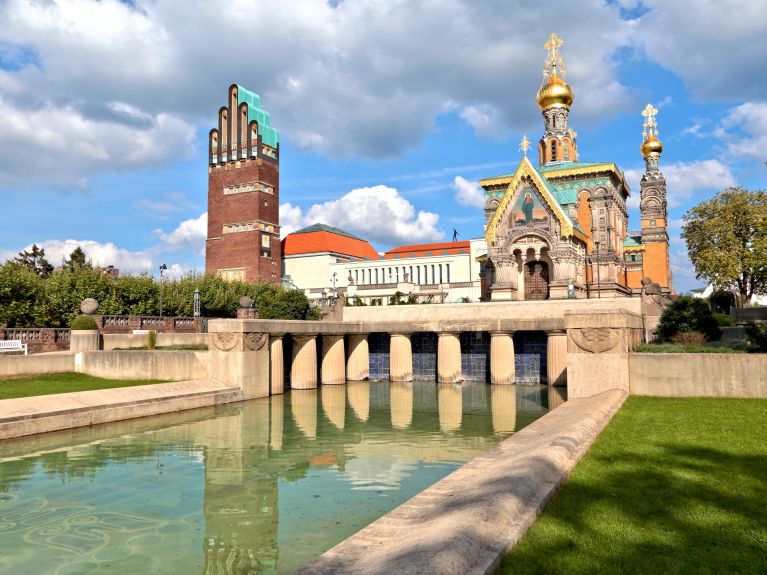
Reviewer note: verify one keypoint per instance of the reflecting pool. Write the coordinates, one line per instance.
(256, 487)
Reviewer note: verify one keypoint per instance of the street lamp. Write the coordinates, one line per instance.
(335, 274)
(196, 302)
(163, 269)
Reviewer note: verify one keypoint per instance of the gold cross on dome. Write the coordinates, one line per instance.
(524, 145)
(554, 59)
(650, 123)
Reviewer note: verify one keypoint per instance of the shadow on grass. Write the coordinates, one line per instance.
(681, 509)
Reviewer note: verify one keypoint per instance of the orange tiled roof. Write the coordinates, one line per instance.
(434, 249)
(326, 241)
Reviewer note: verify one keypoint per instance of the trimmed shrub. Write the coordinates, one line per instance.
(757, 337)
(689, 339)
(688, 314)
(82, 322)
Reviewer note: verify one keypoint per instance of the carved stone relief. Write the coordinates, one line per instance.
(226, 341)
(256, 341)
(595, 339)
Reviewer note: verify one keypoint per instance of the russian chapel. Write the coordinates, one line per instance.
(560, 229)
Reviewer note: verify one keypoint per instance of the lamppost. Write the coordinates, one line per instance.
(599, 287)
(196, 302)
(335, 274)
(163, 268)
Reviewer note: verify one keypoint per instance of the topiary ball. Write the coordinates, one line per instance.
(83, 322)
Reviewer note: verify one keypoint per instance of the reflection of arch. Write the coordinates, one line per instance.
(303, 404)
(359, 398)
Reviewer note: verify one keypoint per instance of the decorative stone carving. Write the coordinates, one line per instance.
(653, 299)
(246, 302)
(595, 339)
(89, 306)
(256, 341)
(224, 341)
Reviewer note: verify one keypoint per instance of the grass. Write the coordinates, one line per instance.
(62, 383)
(672, 486)
(708, 347)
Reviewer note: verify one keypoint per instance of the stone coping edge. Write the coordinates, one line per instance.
(18, 418)
(466, 522)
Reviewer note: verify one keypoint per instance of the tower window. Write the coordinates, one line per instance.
(566, 152)
(553, 150)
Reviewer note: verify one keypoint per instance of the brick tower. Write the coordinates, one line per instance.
(653, 206)
(243, 240)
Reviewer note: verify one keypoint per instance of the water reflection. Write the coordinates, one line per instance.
(259, 487)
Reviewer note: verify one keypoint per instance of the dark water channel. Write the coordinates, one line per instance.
(258, 487)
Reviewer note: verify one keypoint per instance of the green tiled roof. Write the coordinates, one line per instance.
(567, 166)
(324, 228)
(632, 241)
(269, 135)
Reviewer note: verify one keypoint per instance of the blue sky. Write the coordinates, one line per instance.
(389, 111)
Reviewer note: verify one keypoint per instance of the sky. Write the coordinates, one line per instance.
(389, 111)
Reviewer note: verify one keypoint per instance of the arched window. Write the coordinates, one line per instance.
(566, 151)
(553, 151)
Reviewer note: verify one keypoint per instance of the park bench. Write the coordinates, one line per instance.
(13, 345)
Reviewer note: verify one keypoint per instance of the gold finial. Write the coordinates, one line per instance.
(524, 145)
(650, 123)
(554, 59)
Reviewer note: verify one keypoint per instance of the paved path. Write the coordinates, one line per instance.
(42, 413)
(466, 522)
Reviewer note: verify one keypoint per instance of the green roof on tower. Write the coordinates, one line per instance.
(269, 135)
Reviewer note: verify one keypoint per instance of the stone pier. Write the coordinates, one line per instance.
(358, 364)
(333, 359)
(449, 358)
(501, 358)
(277, 368)
(401, 357)
(303, 372)
(556, 357)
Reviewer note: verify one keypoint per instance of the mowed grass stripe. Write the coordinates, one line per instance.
(62, 383)
(671, 486)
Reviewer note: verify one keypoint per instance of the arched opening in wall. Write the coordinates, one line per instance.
(213, 146)
(287, 359)
(424, 355)
(475, 355)
(536, 280)
(530, 361)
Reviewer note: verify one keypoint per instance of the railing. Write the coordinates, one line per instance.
(129, 323)
(461, 284)
(38, 339)
(152, 322)
(377, 286)
(116, 321)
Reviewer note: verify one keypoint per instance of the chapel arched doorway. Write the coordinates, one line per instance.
(536, 280)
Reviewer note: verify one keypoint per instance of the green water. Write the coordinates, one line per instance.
(258, 487)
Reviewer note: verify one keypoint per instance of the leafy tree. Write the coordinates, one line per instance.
(137, 295)
(65, 290)
(77, 260)
(721, 301)
(35, 261)
(687, 315)
(20, 290)
(726, 240)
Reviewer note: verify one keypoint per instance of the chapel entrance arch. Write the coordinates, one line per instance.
(536, 280)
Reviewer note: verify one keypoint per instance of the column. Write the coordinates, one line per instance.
(303, 373)
(358, 364)
(556, 357)
(400, 357)
(277, 367)
(333, 359)
(449, 358)
(502, 357)
(503, 400)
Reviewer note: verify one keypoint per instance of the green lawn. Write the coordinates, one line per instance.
(672, 486)
(62, 383)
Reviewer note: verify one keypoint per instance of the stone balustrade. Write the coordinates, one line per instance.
(38, 339)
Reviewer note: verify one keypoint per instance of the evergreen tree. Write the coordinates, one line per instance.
(34, 260)
(77, 260)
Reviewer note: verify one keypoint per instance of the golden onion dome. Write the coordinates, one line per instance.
(556, 93)
(652, 146)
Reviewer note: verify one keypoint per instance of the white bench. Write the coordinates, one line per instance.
(13, 345)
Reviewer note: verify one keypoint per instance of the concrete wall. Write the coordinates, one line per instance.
(523, 310)
(164, 365)
(124, 340)
(698, 374)
(20, 365)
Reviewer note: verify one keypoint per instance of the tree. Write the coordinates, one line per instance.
(77, 260)
(34, 260)
(726, 240)
(687, 315)
(20, 289)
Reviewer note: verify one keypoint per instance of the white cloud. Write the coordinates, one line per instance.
(717, 48)
(744, 128)
(189, 235)
(169, 203)
(468, 193)
(100, 254)
(684, 179)
(120, 84)
(378, 213)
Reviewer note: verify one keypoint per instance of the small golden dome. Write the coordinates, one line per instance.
(651, 146)
(555, 93)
